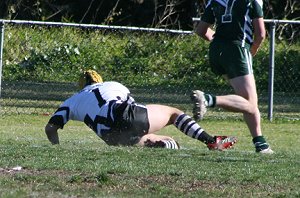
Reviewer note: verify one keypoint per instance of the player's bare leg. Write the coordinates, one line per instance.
(245, 101)
(160, 116)
(245, 87)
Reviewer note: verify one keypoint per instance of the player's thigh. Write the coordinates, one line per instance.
(215, 56)
(245, 86)
(237, 61)
(160, 116)
(230, 59)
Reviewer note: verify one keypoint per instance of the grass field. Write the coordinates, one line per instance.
(83, 166)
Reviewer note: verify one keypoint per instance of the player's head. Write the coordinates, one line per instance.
(89, 77)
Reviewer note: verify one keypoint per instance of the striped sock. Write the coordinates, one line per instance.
(190, 127)
(211, 100)
(260, 143)
(170, 144)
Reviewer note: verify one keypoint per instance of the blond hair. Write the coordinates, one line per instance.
(89, 77)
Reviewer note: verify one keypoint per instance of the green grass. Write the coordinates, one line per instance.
(83, 166)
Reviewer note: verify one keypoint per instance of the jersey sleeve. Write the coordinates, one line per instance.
(257, 9)
(60, 117)
(208, 15)
(130, 99)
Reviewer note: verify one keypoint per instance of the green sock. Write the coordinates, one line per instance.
(211, 100)
(260, 143)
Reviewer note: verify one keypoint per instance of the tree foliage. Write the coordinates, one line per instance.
(58, 54)
(174, 14)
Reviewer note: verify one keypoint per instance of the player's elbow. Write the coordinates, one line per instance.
(202, 29)
(259, 29)
(261, 36)
(203, 33)
(258, 39)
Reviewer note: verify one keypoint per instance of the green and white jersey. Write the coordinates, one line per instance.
(233, 19)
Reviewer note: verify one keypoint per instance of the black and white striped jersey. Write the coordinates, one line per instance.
(93, 105)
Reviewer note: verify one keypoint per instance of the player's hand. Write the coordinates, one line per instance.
(51, 132)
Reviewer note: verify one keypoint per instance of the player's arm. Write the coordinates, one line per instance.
(259, 34)
(57, 121)
(51, 132)
(203, 30)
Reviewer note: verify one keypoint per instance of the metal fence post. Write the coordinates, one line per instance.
(1, 51)
(271, 70)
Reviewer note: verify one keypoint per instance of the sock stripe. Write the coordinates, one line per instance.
(195, 133)
(191, 128)
(194, 130)
(258, 144)
(188, 126)
(199, 131)
(179, 120)
(184, 121)
(170, 144)
(210, 101)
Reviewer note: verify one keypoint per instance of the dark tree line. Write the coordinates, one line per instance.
(173, 14)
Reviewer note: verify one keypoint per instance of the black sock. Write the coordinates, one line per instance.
(206, 138)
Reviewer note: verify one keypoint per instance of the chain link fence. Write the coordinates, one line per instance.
(41, 63)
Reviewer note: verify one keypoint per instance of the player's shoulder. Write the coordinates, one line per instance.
(107, 85)
(259, 2)
(113, 84)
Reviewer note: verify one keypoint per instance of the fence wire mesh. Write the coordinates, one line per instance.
(41, 65)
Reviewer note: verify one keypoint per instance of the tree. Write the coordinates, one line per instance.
(173, 14)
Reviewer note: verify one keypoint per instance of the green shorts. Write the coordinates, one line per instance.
(230, 58)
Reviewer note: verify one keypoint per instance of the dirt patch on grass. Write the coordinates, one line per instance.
(118, 182)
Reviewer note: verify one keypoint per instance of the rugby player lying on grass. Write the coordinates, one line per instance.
(109, 110)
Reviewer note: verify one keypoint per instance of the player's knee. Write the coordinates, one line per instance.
(174, 114)
(252, 109)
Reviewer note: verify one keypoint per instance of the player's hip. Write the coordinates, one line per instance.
(231, 59)
(129, 126)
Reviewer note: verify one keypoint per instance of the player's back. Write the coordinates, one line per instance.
(232, 18)
(95, 100)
